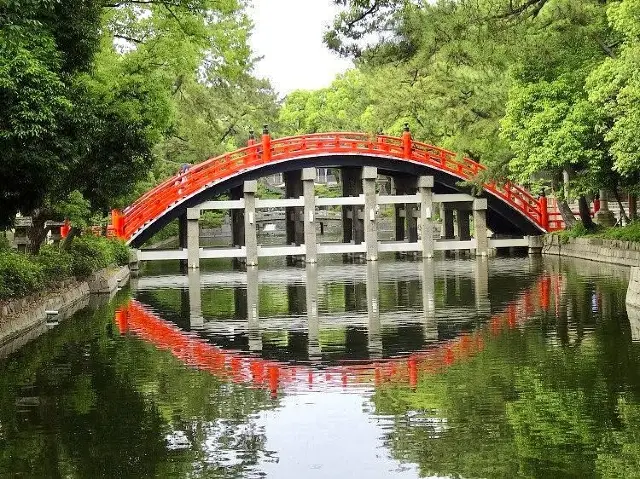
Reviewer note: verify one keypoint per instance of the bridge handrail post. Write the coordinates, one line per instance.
(544, 212)
(406, 142)
(266, 145)
(251, 143)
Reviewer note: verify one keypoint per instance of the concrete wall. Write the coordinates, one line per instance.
(633, 291)
(20, 316)
(624, 253)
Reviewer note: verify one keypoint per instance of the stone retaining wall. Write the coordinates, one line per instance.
(19, 316)
(633, 291)
(626, 253)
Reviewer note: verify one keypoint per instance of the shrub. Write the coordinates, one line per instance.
(19, 276)
(630, 232)
(90, 253)
(56, 264)
(119, 251)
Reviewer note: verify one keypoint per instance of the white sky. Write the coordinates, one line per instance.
(288, 34)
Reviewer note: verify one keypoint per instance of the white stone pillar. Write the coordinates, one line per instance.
(250, 231)
(369, 176)
(480, 225)
(310, 240)
(425, 185)
(193, 238)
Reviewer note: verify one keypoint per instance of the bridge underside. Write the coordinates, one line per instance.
(502, 219)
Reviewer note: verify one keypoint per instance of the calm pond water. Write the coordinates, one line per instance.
(511, 367)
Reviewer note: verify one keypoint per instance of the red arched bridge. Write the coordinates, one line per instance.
(511, 208)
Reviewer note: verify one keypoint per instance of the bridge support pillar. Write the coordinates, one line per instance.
(237, 223)
(464, 225)
(480, 225)
(535, 244)
(425, 184)
(193, 238)
(309, 221)
(294, 222)
(250, 233)
(369, 176)
(352, 227)
(448, 232)
(399, 211)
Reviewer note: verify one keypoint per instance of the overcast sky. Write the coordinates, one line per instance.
(288, 34)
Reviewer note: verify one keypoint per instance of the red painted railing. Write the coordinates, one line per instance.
(179, 188)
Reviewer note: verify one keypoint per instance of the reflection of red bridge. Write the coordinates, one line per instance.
(241, 367)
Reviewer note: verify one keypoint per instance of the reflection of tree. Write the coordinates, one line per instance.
(81, 401)
(559, 397)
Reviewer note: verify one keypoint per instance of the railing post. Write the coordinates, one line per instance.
(406, 142)
(65, 228)
(266, 145)
(544, 212)
(251, 143)
(117, 220)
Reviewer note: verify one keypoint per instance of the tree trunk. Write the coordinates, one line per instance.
(36, 232)
(585, 213)
(66, 244)
(623, 213)
(633, 207)
(566, 213)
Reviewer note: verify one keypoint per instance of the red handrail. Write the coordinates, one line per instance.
(197, 178)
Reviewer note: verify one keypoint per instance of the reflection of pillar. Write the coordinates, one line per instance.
(481, 285)
(308, 179)
(195, 300)
(425, 183)
(250, 232)
(313, 326)
(193, 238)
(480, 226)
(369, 176)
(430, 329)
(373, 311)
(253, 320)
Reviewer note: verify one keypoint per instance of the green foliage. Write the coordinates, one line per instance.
(119, 252)
(212, 219)
(266, 192)
(630, 232)
(89, 254)
(19, 276)
(56, 264)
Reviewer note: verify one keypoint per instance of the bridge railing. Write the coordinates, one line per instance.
(199, 177)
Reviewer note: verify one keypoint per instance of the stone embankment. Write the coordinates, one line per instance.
(18, 317)
(626, 253)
